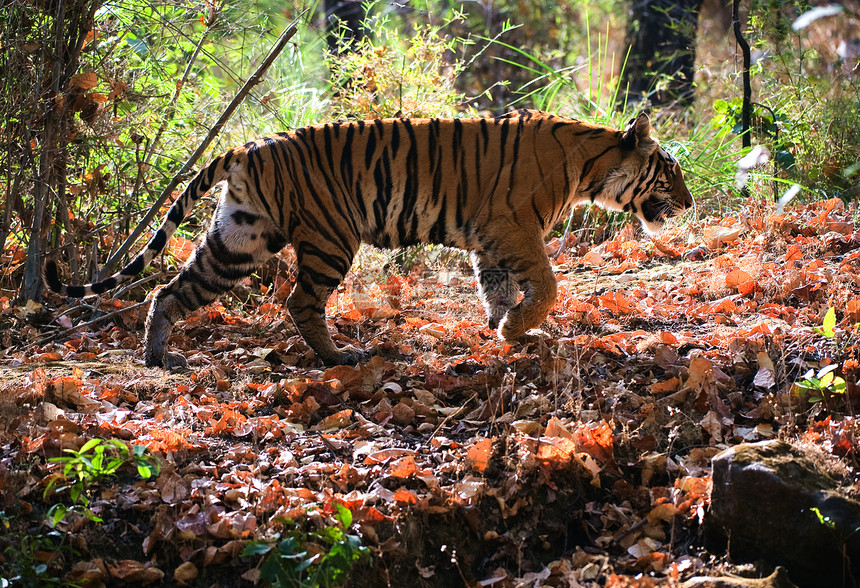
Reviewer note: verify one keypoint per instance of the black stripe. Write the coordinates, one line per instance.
(395, 137)
(135, 267)
(104, 285)
(223, 254)
(242, 217)
(370, 148)
(485, 134)
(340, 265)
(176, 214)
(438, 230)
(274, 241)
(159, 240)
(52, 276)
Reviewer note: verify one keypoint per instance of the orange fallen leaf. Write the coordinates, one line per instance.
(593, 259)
(617, 302)
(668, 338)
(403, 467)
(595, 439)
(737, 277)
(405, 497)
(385, 454)
(433, 329)
(748, 287)
(665, 387)
(478, 455)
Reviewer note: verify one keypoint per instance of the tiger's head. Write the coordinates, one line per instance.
(648, 181)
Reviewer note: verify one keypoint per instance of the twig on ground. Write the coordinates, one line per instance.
(91, 322)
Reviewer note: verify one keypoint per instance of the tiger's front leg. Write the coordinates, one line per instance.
(533, 273)
(496, 288)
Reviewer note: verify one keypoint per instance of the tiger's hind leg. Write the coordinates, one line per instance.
(532, 272)
(322, 265)
(236, 244)
(496, 288)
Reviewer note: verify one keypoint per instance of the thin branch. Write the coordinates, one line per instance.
(747, 97)
(216, 128)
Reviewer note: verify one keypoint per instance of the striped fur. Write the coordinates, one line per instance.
(495, 187)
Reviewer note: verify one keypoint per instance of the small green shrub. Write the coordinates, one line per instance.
(319, 559)
(31, 559)
(83, 468)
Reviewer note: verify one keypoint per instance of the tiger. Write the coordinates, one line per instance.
(494, 187)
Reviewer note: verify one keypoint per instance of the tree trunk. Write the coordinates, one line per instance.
(343, 24)
(661, 36)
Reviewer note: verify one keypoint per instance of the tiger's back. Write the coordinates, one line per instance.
(494, 187)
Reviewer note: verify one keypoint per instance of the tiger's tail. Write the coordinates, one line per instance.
(205, 179)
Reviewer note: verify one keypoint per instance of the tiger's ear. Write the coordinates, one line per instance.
(637, 132)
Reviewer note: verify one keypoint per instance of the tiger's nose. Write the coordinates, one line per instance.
(687, 199)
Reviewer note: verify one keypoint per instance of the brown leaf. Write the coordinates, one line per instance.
(172, 487)
(335, 421)
(717, 236)
(403, 413)
(84, 81)
(701, 371)
(555, 428)
(129, 570)
(185, 572)
(764, 379)
(665, 357)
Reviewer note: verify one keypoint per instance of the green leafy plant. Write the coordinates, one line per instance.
(28, 562)
(319, 559)
(96, 460)
(828, 325)
(816, 385)
(823, 519)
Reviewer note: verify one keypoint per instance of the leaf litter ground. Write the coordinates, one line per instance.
(579, 458)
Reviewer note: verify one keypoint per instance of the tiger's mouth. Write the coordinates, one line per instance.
(660, 207)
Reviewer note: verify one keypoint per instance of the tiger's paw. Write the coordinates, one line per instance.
(528, 337)
(175, 361)
(168, 361)
(347, 355)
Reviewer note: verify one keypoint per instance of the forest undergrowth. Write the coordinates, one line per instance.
(580, 458)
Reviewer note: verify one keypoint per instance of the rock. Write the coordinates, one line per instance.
(770, 501)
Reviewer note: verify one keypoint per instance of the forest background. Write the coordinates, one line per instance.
(103, 105)
(451, 458)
